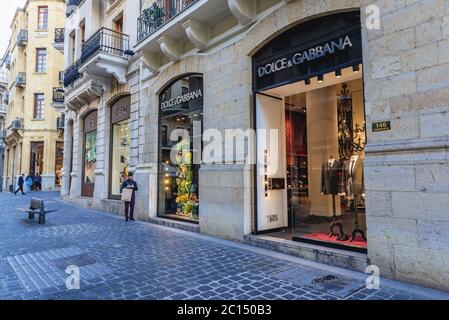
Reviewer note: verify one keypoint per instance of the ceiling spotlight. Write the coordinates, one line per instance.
(356, 68)
(338, 73)
(320, 78)
(308, 82)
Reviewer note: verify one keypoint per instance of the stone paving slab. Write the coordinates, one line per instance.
(119, 260)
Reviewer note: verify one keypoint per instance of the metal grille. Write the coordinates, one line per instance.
(103, 41)
(59, 35)
(58, 95)
(158, 14)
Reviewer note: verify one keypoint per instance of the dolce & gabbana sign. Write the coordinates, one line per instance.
(312, 48)
(181, 99)
(184, 93)
(305, 56)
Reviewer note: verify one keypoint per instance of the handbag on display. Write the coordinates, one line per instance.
(127, 194)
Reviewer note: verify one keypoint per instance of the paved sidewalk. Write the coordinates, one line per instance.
(138, 260)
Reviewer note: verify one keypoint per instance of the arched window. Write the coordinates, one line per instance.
(180, 111)
(89, 153)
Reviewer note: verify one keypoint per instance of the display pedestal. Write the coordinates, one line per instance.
(341, 236)
(357, 229)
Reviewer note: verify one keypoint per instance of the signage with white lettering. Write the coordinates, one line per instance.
(309, 49)
(181, 99)
(305, 56)
(184, 94)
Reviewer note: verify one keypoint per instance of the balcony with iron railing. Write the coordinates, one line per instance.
(7, 61)
(59, 35)
(5, 98)
(104, 55)
(167, 30)
(71, 5)
(58, 95)
(21, 79)
(159, 14)
(59, 39)
(58, 99)
(22, 38)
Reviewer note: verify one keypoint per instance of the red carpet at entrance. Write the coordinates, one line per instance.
(324, 237)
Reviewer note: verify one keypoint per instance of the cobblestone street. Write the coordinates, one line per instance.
(138, 260)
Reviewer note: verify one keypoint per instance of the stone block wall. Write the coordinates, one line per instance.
(407, 83)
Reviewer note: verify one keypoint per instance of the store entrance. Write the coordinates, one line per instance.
(321, 148)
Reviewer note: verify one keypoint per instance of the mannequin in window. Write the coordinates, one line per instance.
(354, 176)
(331, 176)
(355, 188)
(331, 184)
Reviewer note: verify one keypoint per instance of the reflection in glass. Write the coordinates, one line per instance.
(121, 139)
(90, 157)
(181, 109)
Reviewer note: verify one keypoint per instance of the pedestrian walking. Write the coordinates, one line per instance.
(37, 182)
(28, 182)
(20, 184)
(129, 188)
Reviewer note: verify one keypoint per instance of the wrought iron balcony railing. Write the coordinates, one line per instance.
(103, 41)
(59, 35)
(58, 95)
(22, 37)
(106, 41)
(21, 79)
(73, 2)
(158, 14)
(71, 74)
(5, 97)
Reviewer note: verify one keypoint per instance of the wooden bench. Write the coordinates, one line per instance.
(37, 206)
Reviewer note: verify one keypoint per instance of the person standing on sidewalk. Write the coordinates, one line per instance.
(28, 182)
(129, 206)
(20, 183)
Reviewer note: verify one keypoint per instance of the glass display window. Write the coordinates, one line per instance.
(89, 154)
(120, 152)
(308, 86)
(181, 108)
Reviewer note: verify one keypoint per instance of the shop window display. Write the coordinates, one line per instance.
(59, 163)
(121, 137)
(181, 108)
(89, 154)
(120, 145)
(308, 85)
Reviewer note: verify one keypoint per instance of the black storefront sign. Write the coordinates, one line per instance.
(183, 95)
(310, 49)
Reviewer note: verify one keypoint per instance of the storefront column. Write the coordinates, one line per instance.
(75, 187)
(67, 160)
(146, 198)
(322, 139)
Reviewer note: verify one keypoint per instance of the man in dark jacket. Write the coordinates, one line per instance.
(129, 206)
(20, 183)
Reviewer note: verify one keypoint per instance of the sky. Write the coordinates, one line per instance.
(7, 8)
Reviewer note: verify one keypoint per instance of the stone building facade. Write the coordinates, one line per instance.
(4, 97)
(34, 142)
(100, 72)
(402, 101)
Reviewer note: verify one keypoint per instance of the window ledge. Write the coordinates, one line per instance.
(37, 119)
(40, 73)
